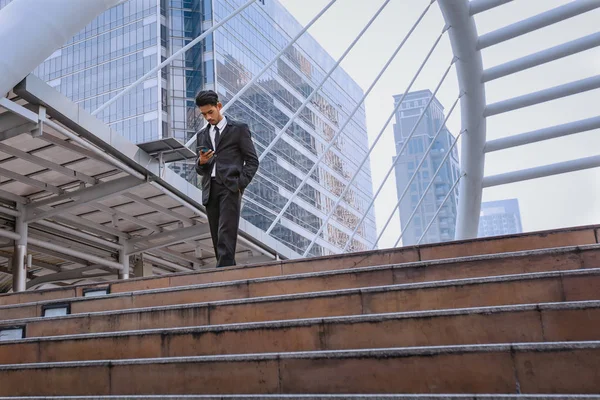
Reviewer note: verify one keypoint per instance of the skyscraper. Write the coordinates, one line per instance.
(122, 44)
(443, 227)
(500, 217)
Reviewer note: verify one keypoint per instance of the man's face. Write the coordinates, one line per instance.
(212, 113)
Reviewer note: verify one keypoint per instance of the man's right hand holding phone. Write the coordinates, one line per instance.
(205, 155)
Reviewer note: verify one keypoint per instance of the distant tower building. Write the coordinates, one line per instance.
(500, 217)
(443, 228)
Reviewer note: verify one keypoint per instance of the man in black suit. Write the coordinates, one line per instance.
(227, 162)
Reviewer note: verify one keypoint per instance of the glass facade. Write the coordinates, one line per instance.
(443, 227)
(501, 217)
(122, 44)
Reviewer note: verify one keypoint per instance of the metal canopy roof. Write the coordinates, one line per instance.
(89, 194)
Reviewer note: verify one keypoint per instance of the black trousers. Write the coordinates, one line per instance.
(223, 211)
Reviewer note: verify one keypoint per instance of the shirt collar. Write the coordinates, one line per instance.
(222, 124)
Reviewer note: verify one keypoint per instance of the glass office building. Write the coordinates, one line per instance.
(122, 44)
(501, 217)
(443, 227)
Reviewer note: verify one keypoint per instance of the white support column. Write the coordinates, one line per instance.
(542, 96)
(320, 85)
(543, 134)
(438, 210)
(542, 57)
(469, 67)
(412, 215)
(539, 21)
(19, 268)
(543, 171)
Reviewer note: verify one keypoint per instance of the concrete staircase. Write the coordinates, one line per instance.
(508, 317)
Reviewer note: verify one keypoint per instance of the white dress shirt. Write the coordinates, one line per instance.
(221, 125)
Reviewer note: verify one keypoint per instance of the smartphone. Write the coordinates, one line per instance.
(204, 149)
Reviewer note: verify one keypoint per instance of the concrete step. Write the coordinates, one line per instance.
(532, 368)
(553, 322)
(576, 285)
(466, 267)
(322, 397)
(587, 235)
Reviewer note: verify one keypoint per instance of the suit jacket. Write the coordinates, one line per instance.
(235, 158)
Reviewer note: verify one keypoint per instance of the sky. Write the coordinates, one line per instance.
(546, 203)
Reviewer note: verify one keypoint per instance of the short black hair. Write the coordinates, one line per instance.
(207, 97)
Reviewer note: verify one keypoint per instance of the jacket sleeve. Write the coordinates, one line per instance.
(201, 169)
(249, 156)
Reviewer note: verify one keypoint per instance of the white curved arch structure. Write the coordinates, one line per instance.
(466, 45)
(469, 68)
(31, 30)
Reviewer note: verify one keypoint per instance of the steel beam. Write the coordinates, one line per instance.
(70, 252)
(543, 134)
(19, 267)
(543, 171)
(34, 262)
(30, 181)
(469, 68)
(10, 121)
(91, 226)
(19, 130)
(13, 197)
(79, 234)
(159, 208)
(46, 164)
(479, 6)
(17, 109)
(5, 233)
(164, 239)
(81, 197)
(9, 211)
(542, 57)
(68, 145)
(169, 264)
(62, 276)
(542, 96)
(97, 152)
(539, 21)
(125, 216)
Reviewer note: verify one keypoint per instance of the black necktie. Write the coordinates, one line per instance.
(217, 136)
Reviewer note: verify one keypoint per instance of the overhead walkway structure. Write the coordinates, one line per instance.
(88, 204)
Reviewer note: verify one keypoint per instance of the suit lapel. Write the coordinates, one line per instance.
(221, 135)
